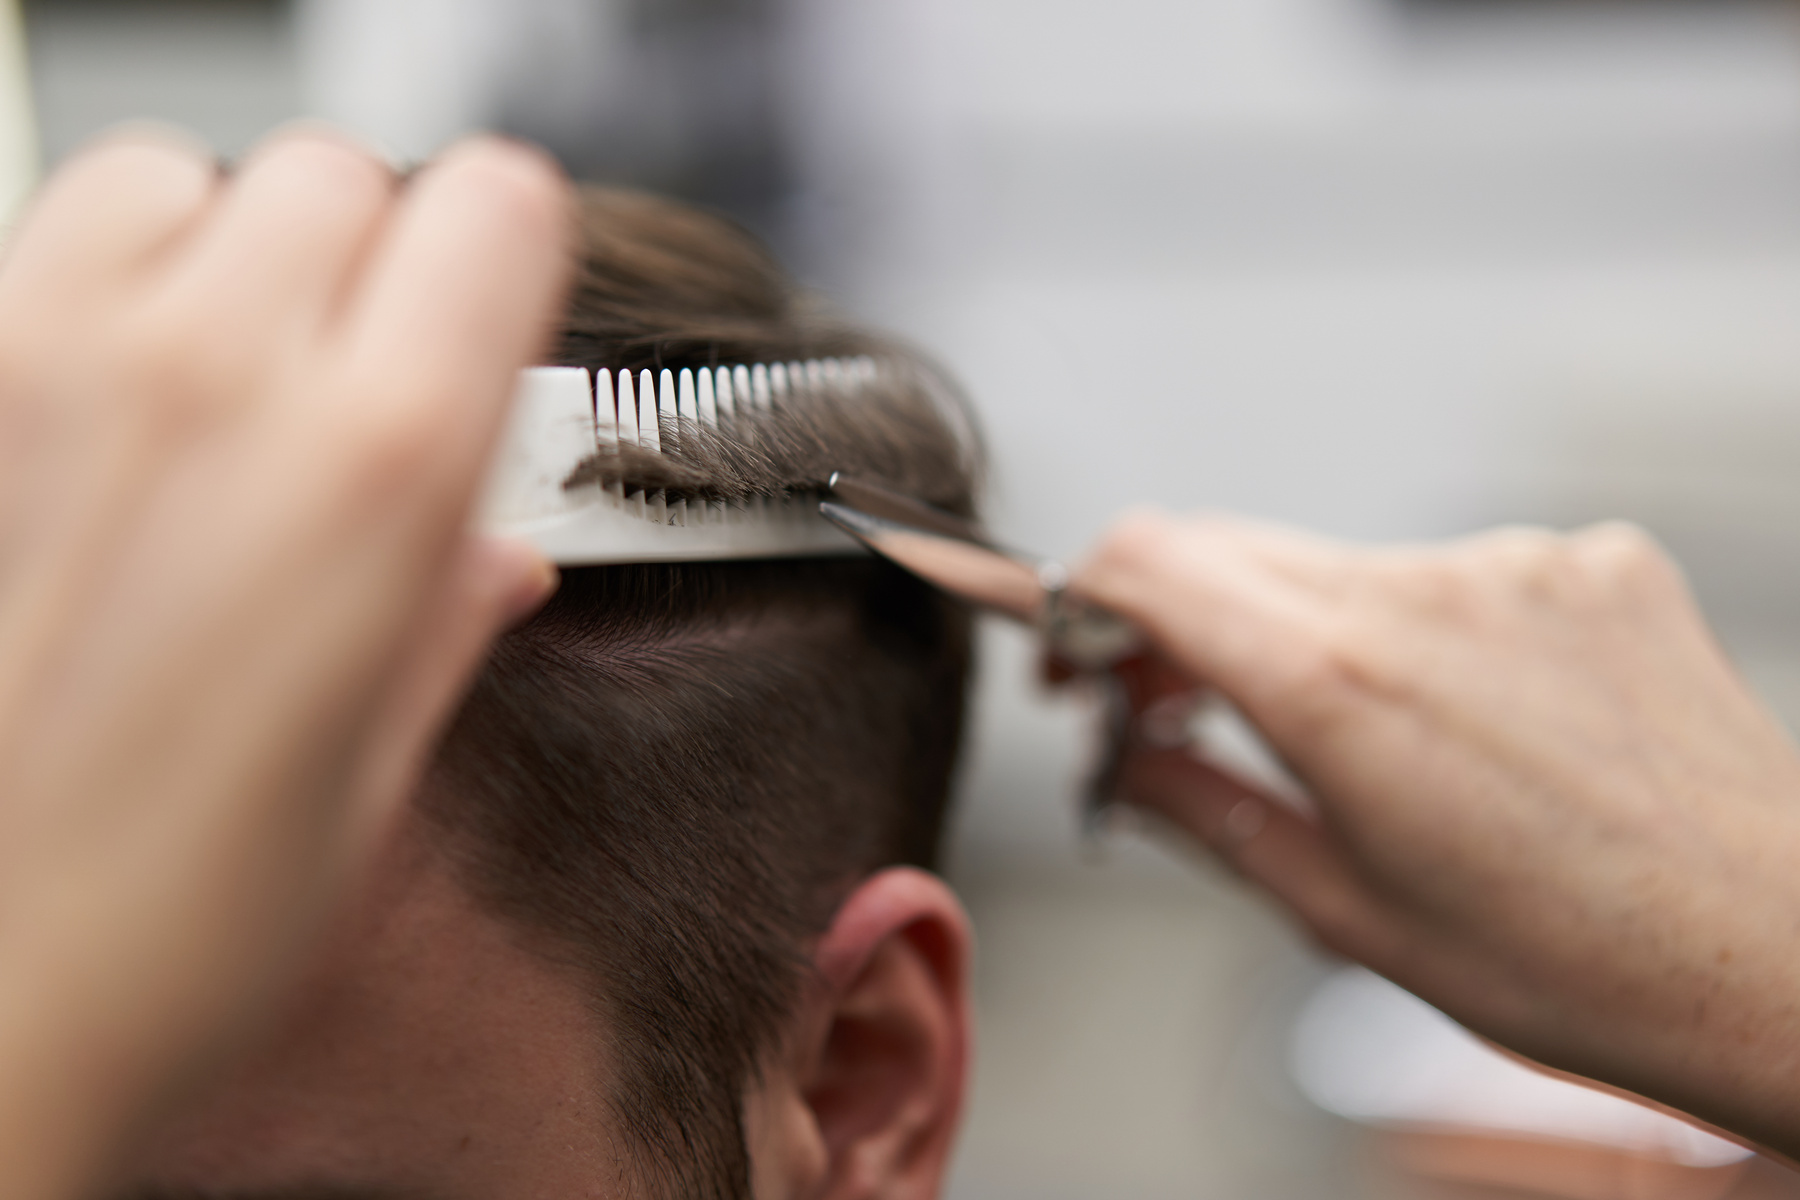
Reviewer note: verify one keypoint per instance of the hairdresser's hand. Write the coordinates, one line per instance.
(241, 419)
(1545, 801)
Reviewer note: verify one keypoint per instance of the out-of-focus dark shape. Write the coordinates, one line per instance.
(682, 97)
(679, 96)
(223, 68)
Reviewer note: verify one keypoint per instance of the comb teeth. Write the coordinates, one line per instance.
(562, 418)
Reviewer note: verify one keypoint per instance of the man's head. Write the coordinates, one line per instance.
(652, 926)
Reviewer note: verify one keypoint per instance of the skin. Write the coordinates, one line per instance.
(241, 422)
(434, 1050)
(1544, 800)
(428, 1053)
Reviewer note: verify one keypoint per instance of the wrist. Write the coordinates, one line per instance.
(1711, 1023)
(64, 1096)
(83, 1060)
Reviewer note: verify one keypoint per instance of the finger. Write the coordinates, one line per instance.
(492, 584)
(1054, 671)
(1145, 675)
(272, 264)
(1302, 558)
(461, 294)
(1287, 855)
(108, 212)
(1212, 609)
(1151, 679)
(85, 249)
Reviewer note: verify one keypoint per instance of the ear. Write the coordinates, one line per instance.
(864, 1099)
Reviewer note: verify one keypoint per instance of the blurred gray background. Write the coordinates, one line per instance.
(1387, 268)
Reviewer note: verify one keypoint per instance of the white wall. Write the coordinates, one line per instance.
(1383, 272)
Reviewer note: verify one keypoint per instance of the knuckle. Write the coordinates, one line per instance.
(522, 183)
(1593, 567)
(1525, 554)
(315, 144)
(323, 168)
(1618, 554)
(140, 155)
(1514, 566)
(1138, 539)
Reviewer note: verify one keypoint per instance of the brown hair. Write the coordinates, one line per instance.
(676, 772)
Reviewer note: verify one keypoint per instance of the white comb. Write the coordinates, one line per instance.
(562, 417)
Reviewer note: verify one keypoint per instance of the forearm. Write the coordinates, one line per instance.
(1697, 1006)
(72, 1093)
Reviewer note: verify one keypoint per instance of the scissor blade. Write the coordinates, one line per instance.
(885, 504)
(963, 566)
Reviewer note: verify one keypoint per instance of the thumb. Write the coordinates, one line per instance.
(1283, 852)
(492, 584)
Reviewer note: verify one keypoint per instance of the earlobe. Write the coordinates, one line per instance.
(881, 1064)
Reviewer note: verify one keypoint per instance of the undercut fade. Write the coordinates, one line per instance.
(675, 773)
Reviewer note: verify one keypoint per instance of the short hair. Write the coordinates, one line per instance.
(677, 772)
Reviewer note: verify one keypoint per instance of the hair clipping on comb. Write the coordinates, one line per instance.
(607, 468)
